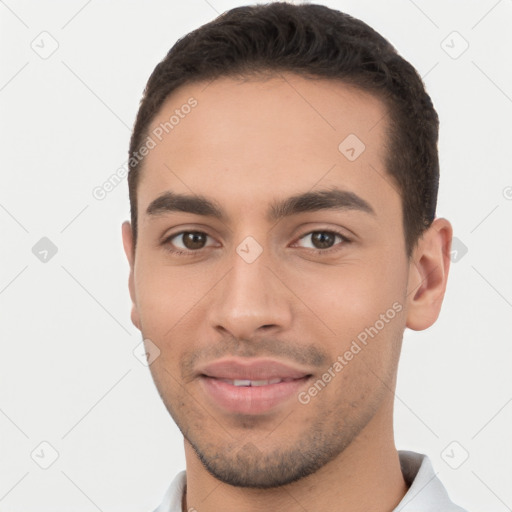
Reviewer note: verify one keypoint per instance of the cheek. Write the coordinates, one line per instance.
(166, 294)
(365, 316)
(348, 298)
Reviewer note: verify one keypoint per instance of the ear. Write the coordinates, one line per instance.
(428, 274)
(129, 250)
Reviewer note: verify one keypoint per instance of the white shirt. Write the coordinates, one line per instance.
(426, 492)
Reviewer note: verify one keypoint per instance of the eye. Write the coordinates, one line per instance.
(187, 241)
(323, 241)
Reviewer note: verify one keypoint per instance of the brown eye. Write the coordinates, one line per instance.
(323, 239)
(187, 242)
(193, 239)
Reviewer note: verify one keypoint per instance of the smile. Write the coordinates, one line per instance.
(246, 382)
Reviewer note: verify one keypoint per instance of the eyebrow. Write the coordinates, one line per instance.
(333, 199)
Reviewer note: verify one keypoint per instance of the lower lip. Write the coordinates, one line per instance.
(250, 399)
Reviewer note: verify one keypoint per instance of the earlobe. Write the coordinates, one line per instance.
(130, 255)
(428, 274)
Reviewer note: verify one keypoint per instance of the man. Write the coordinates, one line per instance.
(283, 184)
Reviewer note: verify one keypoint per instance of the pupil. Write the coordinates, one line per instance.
(323, 240)
(193, 240)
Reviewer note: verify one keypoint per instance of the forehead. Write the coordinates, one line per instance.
(246, 141)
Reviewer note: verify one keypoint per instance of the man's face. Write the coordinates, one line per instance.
(275, 296)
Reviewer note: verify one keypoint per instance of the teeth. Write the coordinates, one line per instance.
(244, 382)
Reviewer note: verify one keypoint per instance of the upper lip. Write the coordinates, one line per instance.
(251, 369)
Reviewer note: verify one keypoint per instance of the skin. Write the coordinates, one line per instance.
(245, 145)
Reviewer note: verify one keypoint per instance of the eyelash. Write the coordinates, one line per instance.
(321, 252)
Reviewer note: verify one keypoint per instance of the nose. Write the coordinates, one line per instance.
(250, 300)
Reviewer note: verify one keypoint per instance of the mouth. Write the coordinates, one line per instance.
(251, 387)
(254, 383)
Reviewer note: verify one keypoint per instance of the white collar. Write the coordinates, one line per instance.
(426, 492)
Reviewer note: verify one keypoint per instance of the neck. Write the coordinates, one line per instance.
(366, 476)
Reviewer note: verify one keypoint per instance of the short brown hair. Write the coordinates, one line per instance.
(315, 41)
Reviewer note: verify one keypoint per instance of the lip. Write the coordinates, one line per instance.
(251, 369)
(253, 400)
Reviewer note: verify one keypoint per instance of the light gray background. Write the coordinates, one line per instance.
(68, 375)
